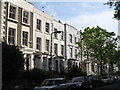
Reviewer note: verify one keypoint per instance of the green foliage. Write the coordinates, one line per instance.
(96, 39)
(75, 72)
(118, 58)
(98, 43)
(12, 63)
(116, 5)
(36, 76)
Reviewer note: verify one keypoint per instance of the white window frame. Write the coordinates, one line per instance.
(14, 37)
(55, 34)
(75, 40)
(47, 27)
(76, 53)
(16, 13)
(28, 19)
(62, 36)
(38, 44)
(70, 38)
(47, 46)
(25, 38)
(71, 52)
(56, 49)
(38, 24)
(62, 49)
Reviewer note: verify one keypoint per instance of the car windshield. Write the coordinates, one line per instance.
(93, 78)
(104, 77)
(78, 79)
(51, 82)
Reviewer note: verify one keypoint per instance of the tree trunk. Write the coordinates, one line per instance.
(101, 68)
(111, 68)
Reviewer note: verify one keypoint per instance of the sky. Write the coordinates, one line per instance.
(81, 14)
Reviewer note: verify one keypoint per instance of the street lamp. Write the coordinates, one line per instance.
(51, 62)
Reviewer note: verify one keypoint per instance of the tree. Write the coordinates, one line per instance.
(117, 55)
(12, 63)
(75, 72)
(116, 5)
(110, 49)
(36, 76)
(95, 40)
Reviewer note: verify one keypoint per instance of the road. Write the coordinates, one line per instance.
(115, 86)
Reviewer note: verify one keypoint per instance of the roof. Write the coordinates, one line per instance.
(55, 79)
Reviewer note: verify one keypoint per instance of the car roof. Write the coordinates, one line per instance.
(80, 77)
(55, 79)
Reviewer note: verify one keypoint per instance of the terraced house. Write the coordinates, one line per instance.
(46, 43)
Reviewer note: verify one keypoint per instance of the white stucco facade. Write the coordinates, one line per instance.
(42, 61)
(19, 27)
(2, 20)
(37, 33)
(72, 49)
(59, 56)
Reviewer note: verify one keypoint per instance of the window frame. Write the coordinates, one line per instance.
(47, 27)
(24, 38)
(56, 49)
(62, 49)
(76, 53)
(38, 43)
(75, 40)
(38, 24)
(70, 38)
(71, 52)
(47, 45)
(11, 30)
(12, 12)
(27, 18)
(16, 12)
(62, 36)
(55, 34)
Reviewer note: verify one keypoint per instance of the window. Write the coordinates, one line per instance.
(70, 36)
(61, 65)
(55, 34)
(62, 50)
(38, 24)
(11, 36)
(119, 47)
(38, 43)
(71, 53)
(47, 45)
(62, 35)
(47, 27)
(56, 49)
(56, 65)
(118, 37)
(25, 38)
(12, 13)
(75, 40)
(25, 17)
(76, 53)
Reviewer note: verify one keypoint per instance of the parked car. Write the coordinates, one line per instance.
(66, 86)
(50, 84)
(107, 80)
(112, 79)
(82, 82)
(96, 81)
(77, 83)
(116, 78)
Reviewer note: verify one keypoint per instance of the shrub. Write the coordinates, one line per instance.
(36, 76)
